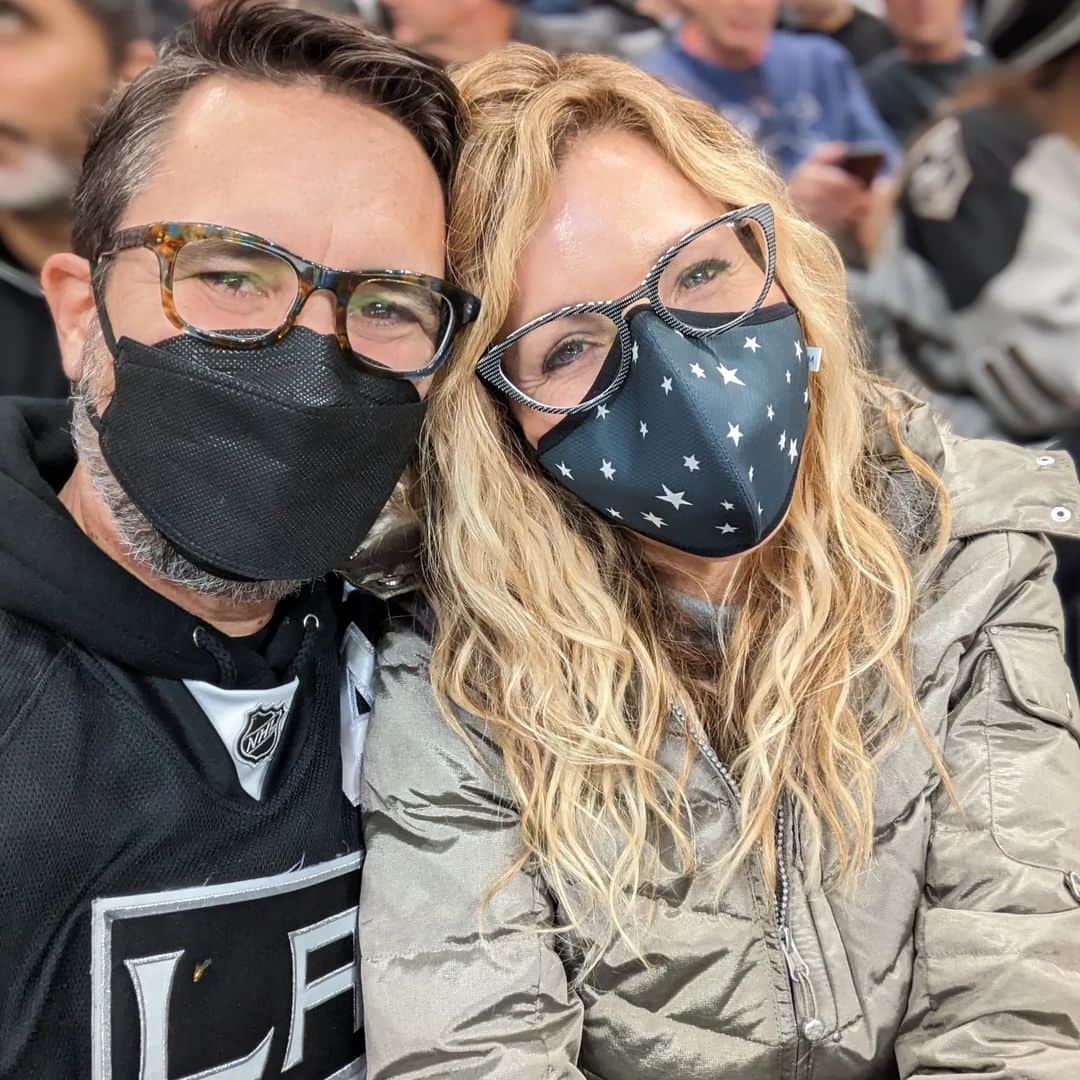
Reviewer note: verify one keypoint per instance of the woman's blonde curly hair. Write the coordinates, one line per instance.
(554, 630)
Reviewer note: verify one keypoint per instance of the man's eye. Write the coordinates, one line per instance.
(702, 273)
(231, 281)
(383, 311)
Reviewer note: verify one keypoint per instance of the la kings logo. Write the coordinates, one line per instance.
(245, 981)
(261, 733)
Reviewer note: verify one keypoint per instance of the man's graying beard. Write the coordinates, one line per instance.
(143, 542)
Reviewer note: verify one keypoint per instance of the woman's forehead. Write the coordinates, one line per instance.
(616, 205)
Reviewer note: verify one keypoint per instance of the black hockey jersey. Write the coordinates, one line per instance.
(179, 863)
(976, 291)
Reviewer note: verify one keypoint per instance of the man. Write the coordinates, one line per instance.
(862, 34)
(932, 58)
(456, 31)
(183, 689)
(799, 97)
(58, 61)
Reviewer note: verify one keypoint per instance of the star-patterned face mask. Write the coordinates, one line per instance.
(700, 446)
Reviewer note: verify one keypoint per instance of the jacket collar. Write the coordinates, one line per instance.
(387, 563)
(994, 486)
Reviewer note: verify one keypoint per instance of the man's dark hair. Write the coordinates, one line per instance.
(121, 21)
(262, 41)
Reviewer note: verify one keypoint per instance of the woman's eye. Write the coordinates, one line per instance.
(563, 354)
(702, 273)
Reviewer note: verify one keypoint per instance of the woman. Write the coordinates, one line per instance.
(752, 752)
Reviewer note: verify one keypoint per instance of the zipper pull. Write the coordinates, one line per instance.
(812, 1028)
(797, 966)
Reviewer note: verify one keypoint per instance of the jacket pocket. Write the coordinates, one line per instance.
(1036, 673)
(975, 961)
(1033, 750)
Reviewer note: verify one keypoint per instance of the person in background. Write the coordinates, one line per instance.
(59, 59)
(169, 15)
(456, 31)
(862, 34)
(979, 278)
(974, 298)
(933, 56)
(798, 96)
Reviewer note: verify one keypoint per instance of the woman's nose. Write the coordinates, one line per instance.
(640, 304)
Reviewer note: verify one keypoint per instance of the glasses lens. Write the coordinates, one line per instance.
(224, 285)
(397, 324)
(566, 361)
(132, 296)
(721, 272)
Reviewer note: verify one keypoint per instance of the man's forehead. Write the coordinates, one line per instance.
(331, 178)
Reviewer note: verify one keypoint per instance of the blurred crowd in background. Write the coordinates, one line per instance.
(946, 168)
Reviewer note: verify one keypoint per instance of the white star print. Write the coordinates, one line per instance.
(769, 412)
(652, 519)
(691, 463)
(806, 397)
(759, 509)
(728, 506)
(783, 440)
(726, 528)
(607, 470)
(789, 376)
(665, 385)
(674, 497)
(614, 513)
(730, 375)
(634, 352)
(798, 351)
(697, 371)
(751, 474)
(564, 470)
(752, 345)
(644, 429)
(733, 433)
(793, 450)
(602, 411)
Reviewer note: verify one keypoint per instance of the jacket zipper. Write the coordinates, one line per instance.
(798, 969)
(799, 982)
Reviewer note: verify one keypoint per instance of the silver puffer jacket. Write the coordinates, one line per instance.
(958, 952)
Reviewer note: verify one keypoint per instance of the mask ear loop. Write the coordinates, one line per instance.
(97, 284)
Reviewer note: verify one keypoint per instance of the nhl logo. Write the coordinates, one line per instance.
(261, 733)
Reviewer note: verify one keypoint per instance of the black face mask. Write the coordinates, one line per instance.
(269, 465)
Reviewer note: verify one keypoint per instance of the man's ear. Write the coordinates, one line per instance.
(65, 279)
(138, 54)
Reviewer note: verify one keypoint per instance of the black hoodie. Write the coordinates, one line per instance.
(29, 355)
(179, 865)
